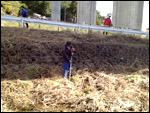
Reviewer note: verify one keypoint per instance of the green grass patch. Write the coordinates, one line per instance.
(42, 27)
(32, 71)
(133, 77)
(10, 24)
(87, 90)
(76, 78)
(3, 84)
(27, 108)
(24, 84)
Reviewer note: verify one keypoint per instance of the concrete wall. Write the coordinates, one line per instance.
(55, 10)
(128, 14)
(86, 12)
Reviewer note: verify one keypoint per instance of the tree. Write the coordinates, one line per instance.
(40, 7)
(72, 11)
(11, 7)
(68, 10)
(99, 19)
(64, 9)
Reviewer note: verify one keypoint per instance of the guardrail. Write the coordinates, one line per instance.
(69, 25)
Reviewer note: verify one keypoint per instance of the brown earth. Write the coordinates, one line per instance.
(94, 52)
(110, 73)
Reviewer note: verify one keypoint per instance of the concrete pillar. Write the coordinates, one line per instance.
(128, 14)
(86, 12)
(55, 10)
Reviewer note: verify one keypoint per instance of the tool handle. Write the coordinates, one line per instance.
(70, 69)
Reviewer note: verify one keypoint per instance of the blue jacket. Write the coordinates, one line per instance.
(24, 13)
(66, 54)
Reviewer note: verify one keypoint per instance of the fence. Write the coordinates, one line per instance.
(69, 25)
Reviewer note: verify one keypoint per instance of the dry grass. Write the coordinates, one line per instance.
(87, 92)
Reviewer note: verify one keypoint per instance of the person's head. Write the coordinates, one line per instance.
(22, 7)
(108, 15)
(68, 45)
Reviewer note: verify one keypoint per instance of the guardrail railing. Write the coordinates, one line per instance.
(69, 25)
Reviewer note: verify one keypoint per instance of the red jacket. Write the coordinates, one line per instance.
(107, 21)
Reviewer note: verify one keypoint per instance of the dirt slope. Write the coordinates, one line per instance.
(20, 47)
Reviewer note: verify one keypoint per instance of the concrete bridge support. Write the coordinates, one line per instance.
(55, 10)
(86, 12)
(128, 14)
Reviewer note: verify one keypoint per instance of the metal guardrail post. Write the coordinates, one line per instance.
(121, 31)
(22, 22)
(79, 28)
(89, 30)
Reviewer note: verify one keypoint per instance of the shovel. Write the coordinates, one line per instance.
(70, 69)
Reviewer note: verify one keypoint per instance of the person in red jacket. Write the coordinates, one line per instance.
(107, 23)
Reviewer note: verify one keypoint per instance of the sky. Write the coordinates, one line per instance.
(106, 7)
(145, 23)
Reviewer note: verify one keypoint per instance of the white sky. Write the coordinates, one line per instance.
(145, 23)
(106, 7)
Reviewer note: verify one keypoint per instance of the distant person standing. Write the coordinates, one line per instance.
(107, 22)
(67, 58)
(24, 14)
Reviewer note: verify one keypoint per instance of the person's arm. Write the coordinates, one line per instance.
(72, 51)
(110, 24)
(20, 12)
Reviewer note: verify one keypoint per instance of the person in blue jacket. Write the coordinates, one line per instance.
(67, 53)
(24, 14)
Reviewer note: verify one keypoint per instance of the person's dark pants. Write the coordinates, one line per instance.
(104, 33)
(27, 25)
(66, 68)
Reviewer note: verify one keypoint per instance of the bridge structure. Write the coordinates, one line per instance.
(126, 14)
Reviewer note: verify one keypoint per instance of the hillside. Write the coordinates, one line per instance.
(110, 73)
